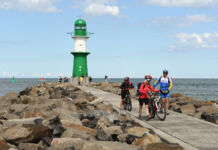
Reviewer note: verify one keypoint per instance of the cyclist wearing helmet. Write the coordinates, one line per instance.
(165, 87)
(126, 85)
(143, 96)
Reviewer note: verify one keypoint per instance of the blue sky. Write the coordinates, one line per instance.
(132, 38)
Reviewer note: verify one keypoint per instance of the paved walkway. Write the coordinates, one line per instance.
(191, 133)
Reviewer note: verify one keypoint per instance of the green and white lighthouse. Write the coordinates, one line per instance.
(80, 53)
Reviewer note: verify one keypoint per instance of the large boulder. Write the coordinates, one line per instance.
(103, 136)
(114, 130)
(103, 122)
(96, 102)
(208, 109)
(105, 107)
(96, 114)
(188, 109)
(124, 117)
(210, 117)
(137, 131)
(36, 120)
(82, 129)
(68, 118)
(26, 133)
(147, 140)
(73, 133)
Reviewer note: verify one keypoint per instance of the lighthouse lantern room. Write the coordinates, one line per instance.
(80, 52)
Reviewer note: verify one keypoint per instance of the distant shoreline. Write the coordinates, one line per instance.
(109, 78)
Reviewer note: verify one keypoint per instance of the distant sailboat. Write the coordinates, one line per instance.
(13, 80)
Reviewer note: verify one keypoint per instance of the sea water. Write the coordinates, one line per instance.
(202, 89)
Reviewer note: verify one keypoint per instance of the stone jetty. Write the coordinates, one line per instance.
(58, 116)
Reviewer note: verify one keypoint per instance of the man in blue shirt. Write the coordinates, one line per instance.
(165, 87)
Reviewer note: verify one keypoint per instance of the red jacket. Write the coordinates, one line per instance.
(144, 90)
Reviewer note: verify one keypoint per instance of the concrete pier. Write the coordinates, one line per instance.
(191, 133)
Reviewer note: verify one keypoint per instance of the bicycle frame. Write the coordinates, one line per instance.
(153, 104)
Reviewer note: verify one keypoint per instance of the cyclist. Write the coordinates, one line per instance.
(165, 87)
(143, 96)
(126, 85)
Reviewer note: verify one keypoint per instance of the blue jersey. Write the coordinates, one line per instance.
(165, 83)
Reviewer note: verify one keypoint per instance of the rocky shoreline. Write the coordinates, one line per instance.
(53, 116)
(206, 110)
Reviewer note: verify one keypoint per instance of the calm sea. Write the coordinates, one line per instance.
(203, 89)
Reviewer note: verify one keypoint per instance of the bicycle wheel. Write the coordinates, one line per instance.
(125, 104)
(129, 104)
(151, 111)
(161, 111)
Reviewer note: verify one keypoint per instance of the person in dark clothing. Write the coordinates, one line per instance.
(125, 86)
(106, 78)
(65, 79)
(90, 79)
(60, 79)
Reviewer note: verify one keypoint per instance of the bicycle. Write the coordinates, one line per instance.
(127, 102)
(156, 107)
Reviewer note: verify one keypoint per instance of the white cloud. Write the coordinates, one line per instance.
(182, 3)
(98, 7)
(101, 9)
(47, 6)
(183, 21)
(195, 41)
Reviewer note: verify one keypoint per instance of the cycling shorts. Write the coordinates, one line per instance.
(165, 95)
(143, 101)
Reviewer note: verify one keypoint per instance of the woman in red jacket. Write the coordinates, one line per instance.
(143, 96)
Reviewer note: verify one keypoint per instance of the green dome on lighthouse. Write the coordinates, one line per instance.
(80, 28)
(80, 22)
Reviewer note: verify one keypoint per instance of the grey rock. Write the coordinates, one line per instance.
(103, 136)
(25, 133)
(36, 120)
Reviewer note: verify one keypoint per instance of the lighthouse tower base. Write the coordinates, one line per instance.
(76, 81)
(80, 69)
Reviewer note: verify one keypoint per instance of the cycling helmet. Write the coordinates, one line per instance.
(148, 77)
(165, 72)
(126, 79)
